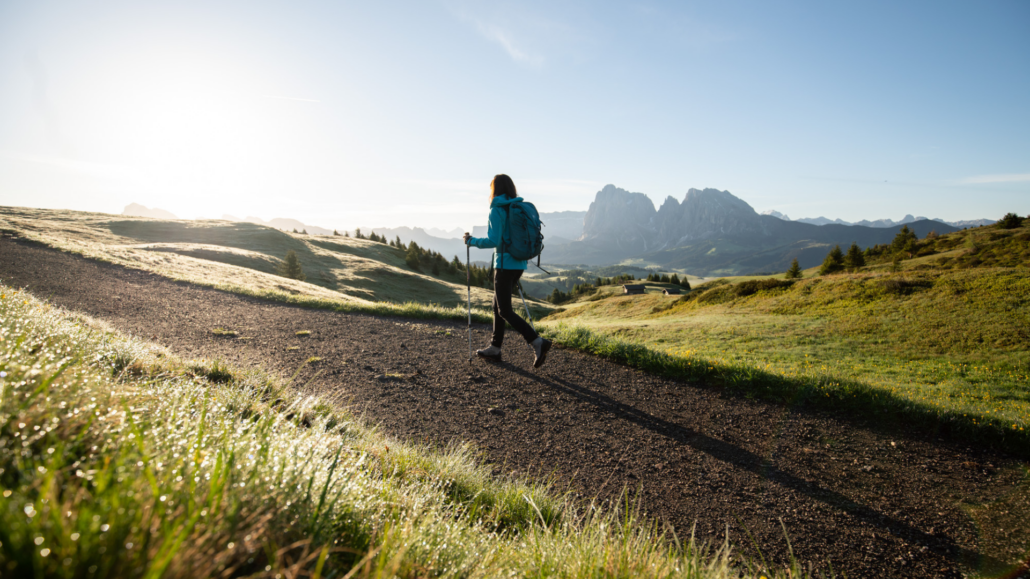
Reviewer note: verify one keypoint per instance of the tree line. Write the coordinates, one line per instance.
(905, 245)
(557, 296)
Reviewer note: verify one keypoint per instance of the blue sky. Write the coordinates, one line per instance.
(346, 114)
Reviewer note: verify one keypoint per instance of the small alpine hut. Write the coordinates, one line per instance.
(633, 288)
(672, 291)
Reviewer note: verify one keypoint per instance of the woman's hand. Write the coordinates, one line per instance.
(466, 238)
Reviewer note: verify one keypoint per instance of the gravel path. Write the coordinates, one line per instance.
(869, 504)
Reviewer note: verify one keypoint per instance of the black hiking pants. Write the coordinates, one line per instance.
(504, 281)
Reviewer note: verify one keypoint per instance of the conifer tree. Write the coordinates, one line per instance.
(904, 240)
(833, 263)
(357, 233)
(336, 233)
(304, 231)
(795, 270)
(346, 234)
(674, 280)
(290, 267)
(854, 259)
(412, 258)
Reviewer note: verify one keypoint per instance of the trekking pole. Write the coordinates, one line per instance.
(528, 315)
(468, 288)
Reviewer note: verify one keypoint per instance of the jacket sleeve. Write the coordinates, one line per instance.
(494, 230)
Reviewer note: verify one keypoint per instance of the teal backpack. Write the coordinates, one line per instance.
(523, 238)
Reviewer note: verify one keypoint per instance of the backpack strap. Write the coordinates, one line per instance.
(507, 229)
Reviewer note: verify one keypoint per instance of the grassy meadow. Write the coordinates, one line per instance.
(944, 341)
(342, 273)
(119, 459)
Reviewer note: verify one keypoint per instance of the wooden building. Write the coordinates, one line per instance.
(633, 288)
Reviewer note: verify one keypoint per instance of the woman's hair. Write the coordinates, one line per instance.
(503, 185)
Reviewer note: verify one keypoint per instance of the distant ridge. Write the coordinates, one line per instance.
(137, 210)
(288, 225)
(879, 222)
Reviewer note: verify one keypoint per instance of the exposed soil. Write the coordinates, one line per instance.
(869, 503)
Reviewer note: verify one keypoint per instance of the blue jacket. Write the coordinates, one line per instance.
(495, 233)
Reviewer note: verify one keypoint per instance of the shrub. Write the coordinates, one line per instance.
(1010, 221)
(896, 263)
(753, 286)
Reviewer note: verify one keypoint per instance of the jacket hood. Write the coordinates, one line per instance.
(502, 201)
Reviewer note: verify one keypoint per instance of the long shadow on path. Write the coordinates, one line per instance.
(748, 461)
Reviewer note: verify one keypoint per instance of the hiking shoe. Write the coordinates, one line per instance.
(540, 347)
(490, 353)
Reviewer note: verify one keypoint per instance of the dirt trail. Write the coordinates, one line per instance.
(870, 504)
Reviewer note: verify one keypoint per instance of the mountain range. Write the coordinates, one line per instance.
(879, 222)
(711, 232)
(137, 210)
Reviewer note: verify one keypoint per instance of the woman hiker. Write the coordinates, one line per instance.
(502, 193)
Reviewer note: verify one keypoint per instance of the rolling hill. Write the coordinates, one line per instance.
(244, 255)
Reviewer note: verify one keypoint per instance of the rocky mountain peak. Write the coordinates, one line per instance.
(618, 212)
(629, 220)
(709, 212)
(777, 214)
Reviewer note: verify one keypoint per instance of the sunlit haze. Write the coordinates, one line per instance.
(344, 114)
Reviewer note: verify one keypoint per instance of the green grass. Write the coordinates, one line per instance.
(977, 247)
(946, 348)
(118, 459)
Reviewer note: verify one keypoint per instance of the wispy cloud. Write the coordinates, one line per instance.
(504, 38)
(1004, 178)
(526, 33)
